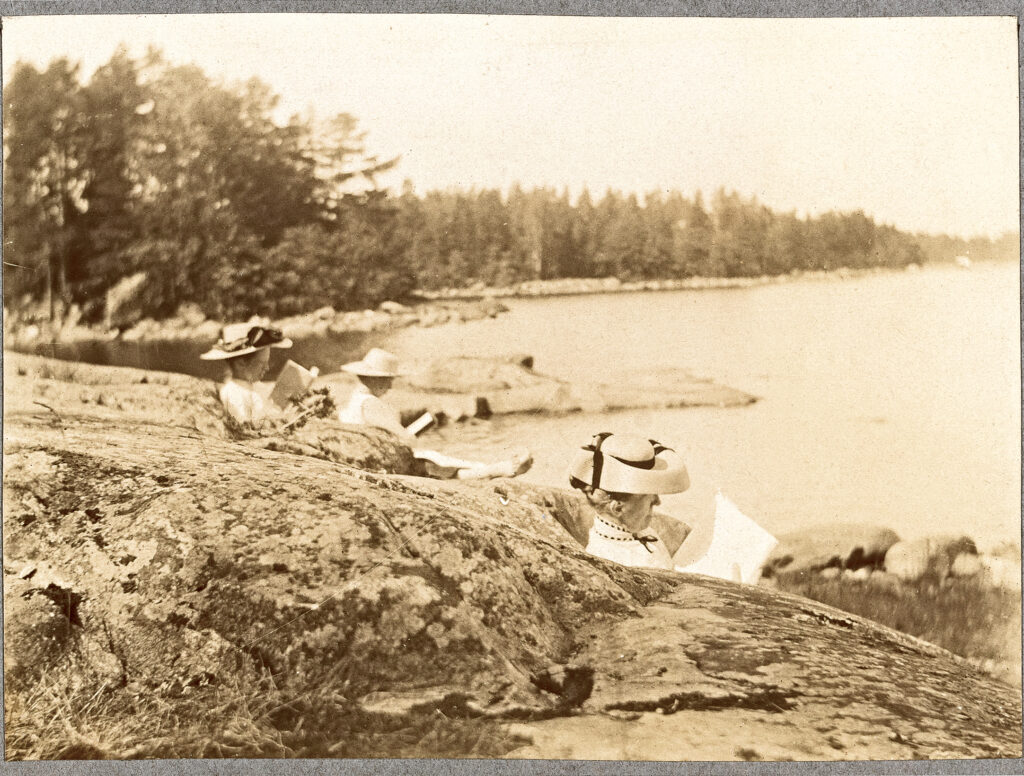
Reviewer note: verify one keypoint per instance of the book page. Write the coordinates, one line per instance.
(293, 381)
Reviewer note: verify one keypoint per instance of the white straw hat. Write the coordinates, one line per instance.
(376, 363)
(626, 463)
(241, 339)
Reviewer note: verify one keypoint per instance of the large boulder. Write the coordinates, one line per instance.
(930, 555)
(844, 545)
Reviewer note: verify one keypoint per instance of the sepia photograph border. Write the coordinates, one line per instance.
(699, 8)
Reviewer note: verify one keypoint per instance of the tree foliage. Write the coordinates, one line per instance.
(158, 168)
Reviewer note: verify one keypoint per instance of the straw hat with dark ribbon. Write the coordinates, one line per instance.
(626, 463)
(241, 339)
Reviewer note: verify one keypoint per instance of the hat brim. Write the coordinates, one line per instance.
(668, 474)
(362, 370)
(216, 354)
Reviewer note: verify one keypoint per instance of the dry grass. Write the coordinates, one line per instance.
(237, 719)
(970, 619)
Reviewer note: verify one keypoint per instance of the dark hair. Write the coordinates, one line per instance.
(586, 487)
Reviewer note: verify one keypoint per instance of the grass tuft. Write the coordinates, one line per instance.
(962, 614)
(241, 718)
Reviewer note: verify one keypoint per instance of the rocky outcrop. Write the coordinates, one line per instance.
(458, 388)
(862, 552)
(843, 546)
(27, 327)
(171, 560)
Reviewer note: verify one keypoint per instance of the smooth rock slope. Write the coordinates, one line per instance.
(151, 553)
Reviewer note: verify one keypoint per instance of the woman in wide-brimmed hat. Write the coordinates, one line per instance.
(245, 350)
(377, 371)
(623, 476)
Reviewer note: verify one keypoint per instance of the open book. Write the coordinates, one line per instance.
(735, 550)
(293, 381)
(421, 424)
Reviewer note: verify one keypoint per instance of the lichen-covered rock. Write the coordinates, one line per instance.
(844, 545)
(37, 629)
(193, 560)
(359, 446)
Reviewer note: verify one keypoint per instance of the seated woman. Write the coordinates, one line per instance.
(245, 350)
(377, 372)
(622, 476)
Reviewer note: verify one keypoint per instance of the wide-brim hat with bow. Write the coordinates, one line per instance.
(241, 339)
(626, 463)
(376, 363)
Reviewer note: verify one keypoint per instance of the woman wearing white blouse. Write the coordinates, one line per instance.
(622, 476)
(377, 372)
(245, 350)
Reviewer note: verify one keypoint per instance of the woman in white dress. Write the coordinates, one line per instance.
(245, 350)
(622, 476)
(366, 407)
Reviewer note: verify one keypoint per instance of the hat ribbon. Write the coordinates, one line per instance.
(645, 540)
(595, 448)
(257, 336)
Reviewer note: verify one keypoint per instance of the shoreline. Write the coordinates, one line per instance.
(582, 286)
(24, 331)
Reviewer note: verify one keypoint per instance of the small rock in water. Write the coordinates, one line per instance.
(860, 575)
(831, 572)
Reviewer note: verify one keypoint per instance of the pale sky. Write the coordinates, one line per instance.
(913, 120)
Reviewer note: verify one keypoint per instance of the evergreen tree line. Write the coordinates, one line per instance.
(157, 168)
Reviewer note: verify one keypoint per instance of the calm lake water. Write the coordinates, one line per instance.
(892, 399)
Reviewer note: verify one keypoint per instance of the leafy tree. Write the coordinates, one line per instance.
(692, 237)
(113, 107)
(43, 180)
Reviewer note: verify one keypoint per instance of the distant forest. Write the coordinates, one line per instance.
(149, 167)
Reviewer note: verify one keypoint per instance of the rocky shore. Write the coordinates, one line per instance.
(454, 389)
(608, 285)
(28, 329)
(173, 591)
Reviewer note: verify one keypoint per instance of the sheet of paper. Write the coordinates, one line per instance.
(738, 547)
